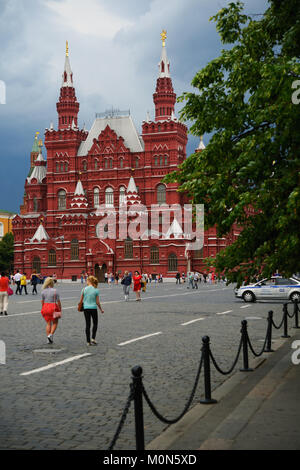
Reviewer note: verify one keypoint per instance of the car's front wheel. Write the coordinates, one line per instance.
(295, 297)
(248, 296)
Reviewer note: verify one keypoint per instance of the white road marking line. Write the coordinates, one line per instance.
(138, 339)
(55, 364)
(192, 321)
(176, 295)
(253, 318)
(223, 313)
(30, 313)
(39, 300)
(245, 306)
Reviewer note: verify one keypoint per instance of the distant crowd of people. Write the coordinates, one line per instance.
(194, 278)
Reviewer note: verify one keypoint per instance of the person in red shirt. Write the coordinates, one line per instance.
(137, 285)
(4, 284)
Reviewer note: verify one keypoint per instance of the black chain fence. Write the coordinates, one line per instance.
(137, 390)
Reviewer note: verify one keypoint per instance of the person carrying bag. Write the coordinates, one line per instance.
(51, 308)
(88, 303)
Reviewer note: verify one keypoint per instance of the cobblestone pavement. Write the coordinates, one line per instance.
(78, 404)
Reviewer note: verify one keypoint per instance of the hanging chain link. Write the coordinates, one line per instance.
(123, 418)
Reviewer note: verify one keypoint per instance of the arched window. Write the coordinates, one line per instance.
(172, 262)
(84, 165)
(110, 163)
(74, 249)
(154, 255)
(96, 197)
(122, 195)
(106, 163)
(96, 164)
(161, 160)
(121, 162)
(35, 205)
(166, 160)
(109, 197)
(128, 249)
(161, 194)
(36, 264)
(136, 162)
(62, 199)
(62, 167)
(156, 160)
(52, 257)
(57, 167)
(66, 167)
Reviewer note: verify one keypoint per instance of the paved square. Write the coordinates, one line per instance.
(70, 396)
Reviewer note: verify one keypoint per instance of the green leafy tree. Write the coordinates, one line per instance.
(6, 252)
(249, 172)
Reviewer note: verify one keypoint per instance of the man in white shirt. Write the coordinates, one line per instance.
(17, 279)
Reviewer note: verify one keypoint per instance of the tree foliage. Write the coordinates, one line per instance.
(6, 252)
(249, 172)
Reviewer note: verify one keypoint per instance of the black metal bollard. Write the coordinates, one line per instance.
(296, 310)
(138, 407)
(245, 347)
(206, 363)
(268, 347)
(285, 322)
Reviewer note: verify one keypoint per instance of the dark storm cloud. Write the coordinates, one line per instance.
(115, 47)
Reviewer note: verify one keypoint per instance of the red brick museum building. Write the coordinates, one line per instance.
(89, 175)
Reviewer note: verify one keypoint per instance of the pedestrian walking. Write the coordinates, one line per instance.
(177, 278)
(191, 280)
(51, 307)
(23, 284)
(34, 281)
(17, 279)
(137, 285)
(143, 283)
(4, 286)
(183, 277)
(90, 300)
(116, 278)
(126, 282)
(196, 279)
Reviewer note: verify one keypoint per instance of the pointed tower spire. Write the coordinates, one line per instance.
(67, 107)
(164, 65)
(164, 97)
(67, 74)
(201, 145)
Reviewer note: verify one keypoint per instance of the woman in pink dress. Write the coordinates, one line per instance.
(137, 285)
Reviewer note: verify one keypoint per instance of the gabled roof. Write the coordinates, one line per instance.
(175, 230)
(123, 127)
(40, 234)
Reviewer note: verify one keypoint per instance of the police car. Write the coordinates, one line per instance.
(271, 288)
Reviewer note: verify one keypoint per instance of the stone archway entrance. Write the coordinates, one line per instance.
(100, 272)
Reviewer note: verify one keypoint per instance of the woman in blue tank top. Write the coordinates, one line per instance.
(90, 299)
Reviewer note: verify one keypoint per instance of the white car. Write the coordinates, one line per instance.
(271, 288)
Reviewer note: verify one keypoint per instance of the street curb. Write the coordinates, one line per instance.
(175, 431)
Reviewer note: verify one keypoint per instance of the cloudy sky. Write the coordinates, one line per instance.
(114, 49)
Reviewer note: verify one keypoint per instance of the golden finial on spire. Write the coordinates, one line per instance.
(163, 37)
(67, 49)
